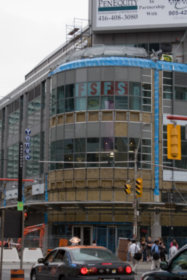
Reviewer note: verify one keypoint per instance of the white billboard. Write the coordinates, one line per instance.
(138, 14)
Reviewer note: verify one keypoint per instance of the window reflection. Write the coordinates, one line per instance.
(105, 95)
(105, 151)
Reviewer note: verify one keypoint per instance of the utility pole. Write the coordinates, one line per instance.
(135, 202)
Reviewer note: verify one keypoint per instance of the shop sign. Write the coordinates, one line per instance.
(27, 144)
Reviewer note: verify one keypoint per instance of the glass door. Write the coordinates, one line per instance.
(84, 233)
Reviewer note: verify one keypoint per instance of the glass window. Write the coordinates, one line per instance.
(34, 108)
(81, 90)
(59, 257)
(180, 263)
(80, 159)
(13, 124)
(69, 103)
(107, 160)
(121, 144)
(93, 103)
(92, 144)
(107, 102)
(121, 102)
(33, 165)
(154, 46)
(91, 158)
(68, 146)
(12, 164)
(121, 160)
(80, 145)
(167, 85)
(107, 144)
(94, 89)
(60, 100)
(81, 104)
(93, 255)
(69, 91)
(135, 96)
(50, 257)
(68, 158)
(121, 88)
(53, 102)
(181, 93)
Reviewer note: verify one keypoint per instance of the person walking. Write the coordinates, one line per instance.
(163, 251)
(173, 249)
(143, 245)
(155, 252)
(149, 244)
(128, 252)
(135, 254)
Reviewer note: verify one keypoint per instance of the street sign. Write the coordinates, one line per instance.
(20, 206)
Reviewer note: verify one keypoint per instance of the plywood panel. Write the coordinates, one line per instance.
(106, 194)
(93, 116)
(121, 116)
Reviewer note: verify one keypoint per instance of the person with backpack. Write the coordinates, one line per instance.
(155, 252)
(135, 254)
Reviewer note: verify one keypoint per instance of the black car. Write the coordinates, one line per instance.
(83, 263)
(174, 269)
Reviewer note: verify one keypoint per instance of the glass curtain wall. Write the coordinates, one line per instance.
(105, 95)
(13, 150)
(97, 152)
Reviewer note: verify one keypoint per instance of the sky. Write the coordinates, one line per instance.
(30, 30)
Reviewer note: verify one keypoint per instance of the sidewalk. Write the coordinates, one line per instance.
(142, 266)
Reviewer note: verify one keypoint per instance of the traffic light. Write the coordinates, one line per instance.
(173, 142)
(139, 187)
(127, 188)
(25, 215)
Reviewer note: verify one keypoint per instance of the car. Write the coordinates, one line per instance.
(83, 263)
(175, 268)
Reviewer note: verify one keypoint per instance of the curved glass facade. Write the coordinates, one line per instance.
(102, 95)
(91, 143)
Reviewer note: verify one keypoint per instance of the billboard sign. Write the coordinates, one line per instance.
(138, 14)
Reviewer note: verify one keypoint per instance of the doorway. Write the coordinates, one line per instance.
(84, 233)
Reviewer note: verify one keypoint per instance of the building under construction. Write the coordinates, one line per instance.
(94, 118)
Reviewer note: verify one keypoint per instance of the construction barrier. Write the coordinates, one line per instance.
(17, 274)
(31, 255)
(10, 255)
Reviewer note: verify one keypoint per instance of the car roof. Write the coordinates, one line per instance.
(81, 247)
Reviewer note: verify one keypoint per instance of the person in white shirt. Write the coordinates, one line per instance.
(134, 248)
(173, 249)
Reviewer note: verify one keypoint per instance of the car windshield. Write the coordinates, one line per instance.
(92, 254)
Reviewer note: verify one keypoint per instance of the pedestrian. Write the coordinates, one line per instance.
(135, 254)
(173, 249)
(94, 243)
(143, 245)
(128, 252)
(163, 251)
(149, 244)
(171, 244)
(155, 252)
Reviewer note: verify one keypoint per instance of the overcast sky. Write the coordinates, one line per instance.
(30, 30)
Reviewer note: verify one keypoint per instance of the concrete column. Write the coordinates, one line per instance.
(156, 231)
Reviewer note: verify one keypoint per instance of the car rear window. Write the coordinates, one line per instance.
(92, 254)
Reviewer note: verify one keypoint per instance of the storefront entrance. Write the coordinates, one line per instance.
(84, 233)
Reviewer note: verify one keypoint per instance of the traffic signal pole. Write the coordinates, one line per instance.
(135, 202)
